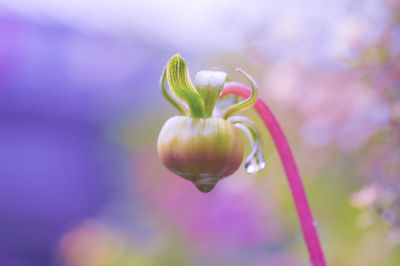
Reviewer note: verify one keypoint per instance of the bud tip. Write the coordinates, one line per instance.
(205, 186)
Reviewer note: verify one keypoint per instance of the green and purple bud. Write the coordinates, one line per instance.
(202, 150)
(198, 146)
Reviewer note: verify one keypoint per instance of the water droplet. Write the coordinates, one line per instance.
(314, 223)
(255, 162)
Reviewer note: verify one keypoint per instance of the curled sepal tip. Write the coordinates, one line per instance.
(247, 103)
(181, 85)
(255, 161)
(167, 94)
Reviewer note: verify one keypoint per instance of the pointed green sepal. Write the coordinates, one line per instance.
(209, 85)
(247, 103)
(181, 85)
(167, 94)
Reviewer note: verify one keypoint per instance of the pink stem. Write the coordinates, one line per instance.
(296, 186)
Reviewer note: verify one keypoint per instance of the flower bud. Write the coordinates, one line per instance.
(199, 146)
(202, 150)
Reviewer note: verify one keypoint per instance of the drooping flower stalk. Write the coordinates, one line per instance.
(308, 224)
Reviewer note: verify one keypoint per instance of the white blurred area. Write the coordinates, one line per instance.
(312, 32)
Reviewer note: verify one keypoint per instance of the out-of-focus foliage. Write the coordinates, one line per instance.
(81, 107)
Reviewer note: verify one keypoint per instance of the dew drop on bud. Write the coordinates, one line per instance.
(255, 162)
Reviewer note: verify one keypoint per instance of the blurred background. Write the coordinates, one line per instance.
(81, 108)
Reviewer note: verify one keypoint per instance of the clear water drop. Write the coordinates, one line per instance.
(251, 169)
(255, 161)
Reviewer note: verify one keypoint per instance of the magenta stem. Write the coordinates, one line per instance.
(308, 224)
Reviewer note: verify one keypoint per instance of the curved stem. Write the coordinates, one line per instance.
(292, 173)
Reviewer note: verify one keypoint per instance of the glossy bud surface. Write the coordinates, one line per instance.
(202, 150)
